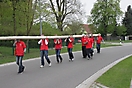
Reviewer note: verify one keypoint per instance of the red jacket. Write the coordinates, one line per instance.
(70, 44)
(89, 43)
(92, 38)
(83, 40)
(99, 39)
(19, 50)
(43, 45)
(58, 44)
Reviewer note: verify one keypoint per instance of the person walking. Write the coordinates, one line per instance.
(20, 48)
(89, 46)
(58, 46)
(83, 40)
(69, 42)
(98, 42)
(93, 43)
(44, 51)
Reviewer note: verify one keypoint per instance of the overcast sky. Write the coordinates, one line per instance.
(88, 5)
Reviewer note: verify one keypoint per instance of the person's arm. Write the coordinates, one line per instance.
(55, 41)
(39, 42)
(24, 49)
(65, 39)
(14, 44)
(103, 40)
(46, 41)
(70, 40)
(59, 41)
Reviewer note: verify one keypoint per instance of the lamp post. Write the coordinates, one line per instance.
(40, 19)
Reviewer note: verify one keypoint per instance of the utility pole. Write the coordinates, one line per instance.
(40, 19)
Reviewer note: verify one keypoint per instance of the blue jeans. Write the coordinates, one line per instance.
(58, 55)
(70, 53)
(44, 53)
(98, 47)
(19, 62)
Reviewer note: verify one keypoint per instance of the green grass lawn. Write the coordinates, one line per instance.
(6, 53)
(118, 76)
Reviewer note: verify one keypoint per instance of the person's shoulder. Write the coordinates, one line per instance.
(22, 41)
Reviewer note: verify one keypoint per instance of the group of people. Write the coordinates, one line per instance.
(88, 43)
(87, 49)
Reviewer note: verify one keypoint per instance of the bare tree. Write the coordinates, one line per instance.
(64, 10)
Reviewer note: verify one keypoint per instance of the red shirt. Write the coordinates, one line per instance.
(70, 44)
(92, 38)
(99, 39)
(43, 45)
(89, 43)
(19, 50)
(58, 44)
(83, 40)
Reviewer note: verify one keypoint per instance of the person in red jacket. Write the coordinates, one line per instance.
(89, 43)
(69, 42)
(20, 48)
(58, 46)
(83, 40)
(98, 42)
(44, 51)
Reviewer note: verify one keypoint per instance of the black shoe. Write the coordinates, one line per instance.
(23, 68)
(84, 57)
(19, 72)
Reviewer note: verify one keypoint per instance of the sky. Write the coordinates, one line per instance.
(88, 5)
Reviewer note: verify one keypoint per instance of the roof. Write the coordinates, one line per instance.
(86, 27)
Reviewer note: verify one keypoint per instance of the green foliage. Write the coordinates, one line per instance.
(47, 29)
(25, 12)
(127, 21)
(121, 30)
(105, 15)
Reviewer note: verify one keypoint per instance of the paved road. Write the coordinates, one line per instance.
(64, 75)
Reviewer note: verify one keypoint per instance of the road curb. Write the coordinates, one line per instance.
(88, 82)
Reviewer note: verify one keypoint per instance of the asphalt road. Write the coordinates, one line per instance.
(64, 75)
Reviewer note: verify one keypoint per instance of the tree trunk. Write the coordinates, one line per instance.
(14, 16)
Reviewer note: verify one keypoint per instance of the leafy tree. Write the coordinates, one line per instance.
(105, 14)
(6, 22)
(121, 30)
(127, 20)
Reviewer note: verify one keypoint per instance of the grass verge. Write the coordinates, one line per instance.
(118, 76)
(6, 53)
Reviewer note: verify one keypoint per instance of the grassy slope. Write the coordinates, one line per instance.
(119, 76)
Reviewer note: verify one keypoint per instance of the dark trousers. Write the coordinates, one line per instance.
(98, 47)
(19, 63)
(58, 56)
(44, 53)
(88, 50)
(84, 51)
(70, 53)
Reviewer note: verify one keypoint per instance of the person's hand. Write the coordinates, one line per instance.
(25, 50)
(14, 42)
